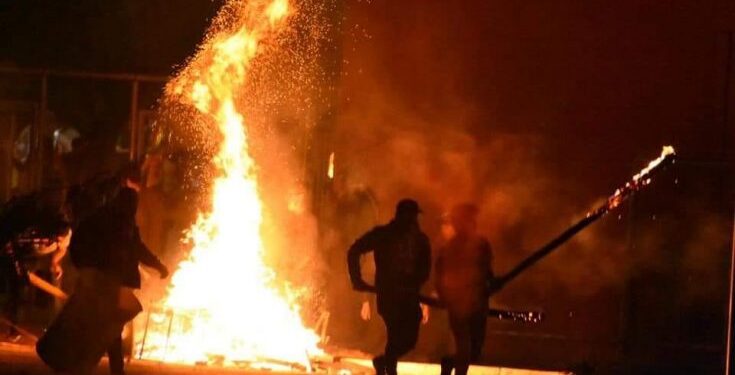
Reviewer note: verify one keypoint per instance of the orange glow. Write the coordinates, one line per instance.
(277, 10)
(224, 305)
(330, 170)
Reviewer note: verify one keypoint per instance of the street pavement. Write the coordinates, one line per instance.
(22, 360)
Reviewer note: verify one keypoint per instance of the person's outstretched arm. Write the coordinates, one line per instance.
(364, 244)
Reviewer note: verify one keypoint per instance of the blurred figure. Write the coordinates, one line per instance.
(34, 235)
(107, 250)
(402, 256)
(463, 276)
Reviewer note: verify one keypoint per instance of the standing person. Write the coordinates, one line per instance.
(463, 276)
(107, 250)
(128, 251)
(402, 256)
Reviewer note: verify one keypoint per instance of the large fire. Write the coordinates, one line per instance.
(223, 304)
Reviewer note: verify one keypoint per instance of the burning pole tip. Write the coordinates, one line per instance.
(641, 179)
(667, 152)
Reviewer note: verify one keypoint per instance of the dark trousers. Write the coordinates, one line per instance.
(15, 288)
(115, 357)
(402, 318)
(469, 336)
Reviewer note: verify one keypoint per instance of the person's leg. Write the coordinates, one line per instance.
(477, 335)
(462, 343)
(403, 332)
(115, 357)
(447, 365)
(380, 363)
(12, 307)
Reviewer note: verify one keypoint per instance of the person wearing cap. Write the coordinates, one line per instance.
(402, 256)
(463, 272)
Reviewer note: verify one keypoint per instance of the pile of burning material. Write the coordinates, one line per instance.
(161, 328)
(225, 306)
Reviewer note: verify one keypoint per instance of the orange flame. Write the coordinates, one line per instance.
(330, 169)
(641, 178)
(222, 304)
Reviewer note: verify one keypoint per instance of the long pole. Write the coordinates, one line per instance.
(614, 201)
(135, 133)
(551, 246)
(728, 339)
(725, 149)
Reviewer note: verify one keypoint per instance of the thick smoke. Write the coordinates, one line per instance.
(413, 123)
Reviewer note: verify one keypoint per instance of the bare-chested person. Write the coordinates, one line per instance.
(463, 274)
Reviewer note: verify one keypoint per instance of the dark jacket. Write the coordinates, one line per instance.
(109, 241)
(402, 258)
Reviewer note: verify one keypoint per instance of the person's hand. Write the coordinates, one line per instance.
(64, 240)
(424, 313)
(365, 312)
(163, 271)
(493, 285)
(361, 286)
(57, 271)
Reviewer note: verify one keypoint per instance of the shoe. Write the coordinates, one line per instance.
(391, 367)
(447, 365)
(379, 365)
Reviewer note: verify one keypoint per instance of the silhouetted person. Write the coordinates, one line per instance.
(463, 276)
(107, 249)
(124, 251)
(402, 256)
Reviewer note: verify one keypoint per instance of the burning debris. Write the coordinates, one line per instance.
(224, 305)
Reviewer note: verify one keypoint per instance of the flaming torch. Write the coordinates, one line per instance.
(640, 180)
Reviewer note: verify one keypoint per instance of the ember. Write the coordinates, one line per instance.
(330, 169)
(224, 305)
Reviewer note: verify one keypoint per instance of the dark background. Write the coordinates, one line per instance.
(534, 109)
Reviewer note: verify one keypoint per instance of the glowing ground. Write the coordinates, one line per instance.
(21, 359)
